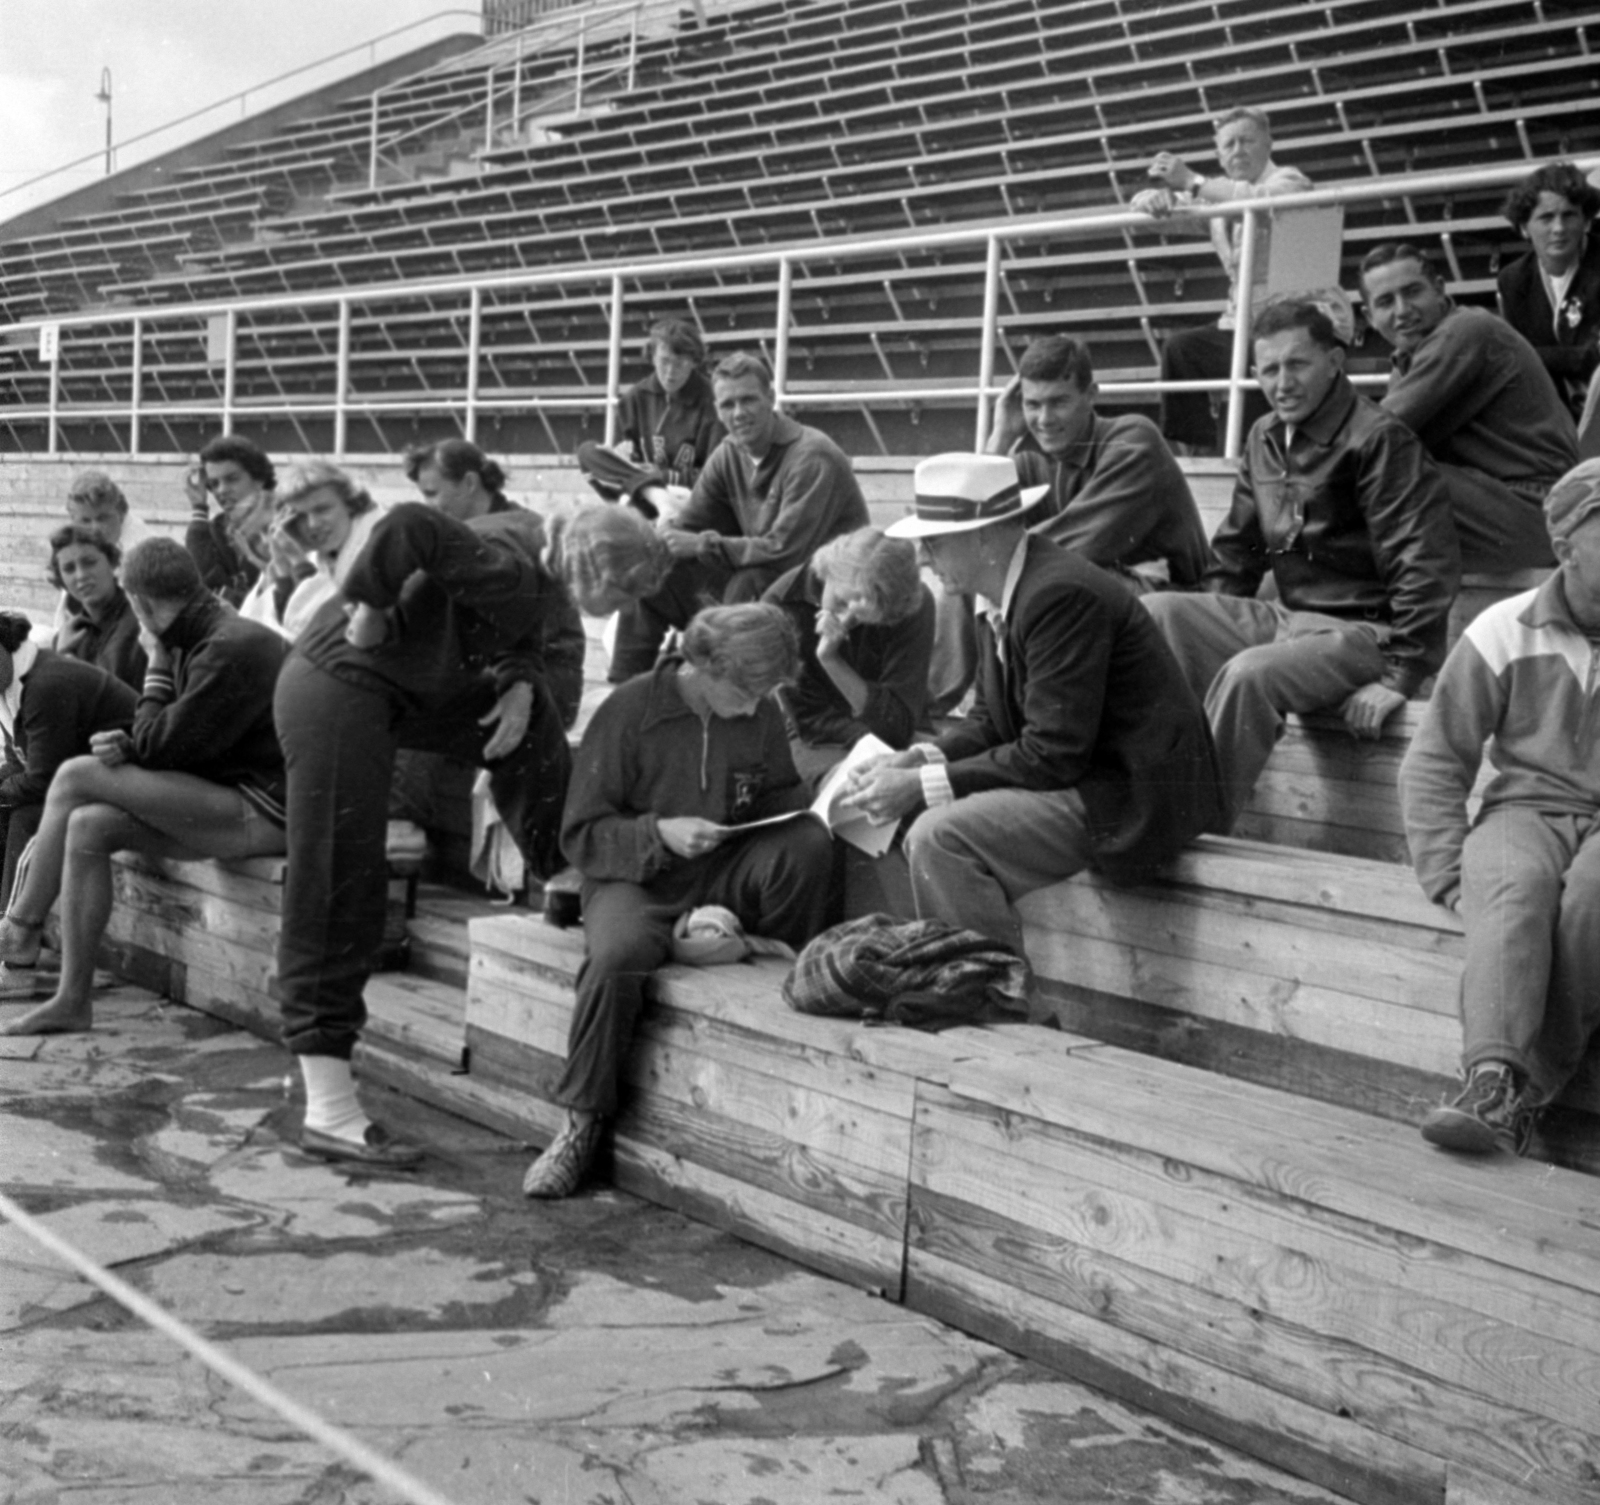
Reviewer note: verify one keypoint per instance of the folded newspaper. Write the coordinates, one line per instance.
(843, 821)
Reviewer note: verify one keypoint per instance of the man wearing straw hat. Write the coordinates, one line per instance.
(1085, 748)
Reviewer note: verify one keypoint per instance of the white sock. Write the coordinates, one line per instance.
(331, 1103)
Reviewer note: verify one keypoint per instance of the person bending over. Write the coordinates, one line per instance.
(51, 707)
(771, 494)
(1478, 396)
(1340, 503)
(98, 626)
(1524, 873)
(199, 774)
(669, 422)
(230, 547)
(865, 625)
(670, 761)
(438, 642)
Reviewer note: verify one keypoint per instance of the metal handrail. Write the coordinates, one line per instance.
(243, 94)
(616, 274)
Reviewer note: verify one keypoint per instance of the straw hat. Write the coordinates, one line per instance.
(957, 493)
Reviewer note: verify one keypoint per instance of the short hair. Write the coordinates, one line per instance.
(1243, 112)
(679, 336)
(603, 546)
(1560, 178)
(1293, 311)
(1057, 357)
(161, 569)
(1400, 250)
(741, 364)
(300, 480)
(250, 458)
(882, 570)
(73, 534)
(14, 630)
(455, 460)
(752, 645)
(95, 486)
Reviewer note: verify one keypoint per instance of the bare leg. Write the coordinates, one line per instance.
(94, 832)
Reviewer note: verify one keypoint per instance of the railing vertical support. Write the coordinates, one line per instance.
(1240, 366)
(780, 353)
(372, 144)
(230, 369)
(633, 47)
(516, 87)
(990, 333)
(136, 369)
(474, 352)
(488, 107)
(614, 365)
(53, 431)
(341, 383)
(583, 40)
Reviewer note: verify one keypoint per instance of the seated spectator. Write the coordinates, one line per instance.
(231, 547)
(864, 622)
(442, 647)
(1084, 747)
(1244, 151)
(94, 500)
(1551, 294)
(322, 522)
(198, 775)
(671, 760)
(1524, 873)
(98, 626)
(1116, 495)
(1477, 395)
(668, 422)
(1342, 505)
(771, 493)
(50, 707)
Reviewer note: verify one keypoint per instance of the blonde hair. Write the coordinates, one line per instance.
(880, 569)
(753, 646)
(604, 547)
(301, 480)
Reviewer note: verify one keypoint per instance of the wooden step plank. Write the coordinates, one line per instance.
(418, 1015)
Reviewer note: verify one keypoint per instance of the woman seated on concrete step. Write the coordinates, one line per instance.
(321, 523)
(865, 622)
(198, 775)
(670, 761)
(98, 625)
(51, 706)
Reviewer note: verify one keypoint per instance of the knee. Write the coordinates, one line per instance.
(96, 828)
(1244, 676)
(938, 832)
(77, 780)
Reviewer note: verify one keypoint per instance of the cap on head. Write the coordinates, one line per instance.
(1572, 499)
(957, 493)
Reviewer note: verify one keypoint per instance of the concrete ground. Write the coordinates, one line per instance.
(600, 1351)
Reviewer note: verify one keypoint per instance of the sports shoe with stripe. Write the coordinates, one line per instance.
(1492, 1112)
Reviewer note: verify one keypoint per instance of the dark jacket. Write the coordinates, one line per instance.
(64, 702)
(673, 436)
(1354, 521)
(1569, 342)
(112, 643)
(211, 714)
(224, 567)
(647, 754)
(1089, 697)
(891, 657)
(468, 599)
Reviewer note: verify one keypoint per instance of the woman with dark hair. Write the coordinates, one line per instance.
(322, 522)
(668, 422)
(98, 625)
(50, 706)
(865, 622)
(1551, 294)
(230, 548)
(672, 764)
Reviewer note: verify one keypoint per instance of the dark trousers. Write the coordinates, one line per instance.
(1500, 529)
(1204, 354)
(775, 880)
(690, 585)
(18, 826)
(339, 742)
(614, 478)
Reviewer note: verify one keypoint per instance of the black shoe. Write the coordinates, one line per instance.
(377, 1147)
(1490, 1113)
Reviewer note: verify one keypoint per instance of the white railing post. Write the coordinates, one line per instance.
(474, 350)
(780, 343)
(372, 144)
(1240, 366)
(991, 333)
(230, 368)
(52, 443)
(583, 39)
(614, 365)
(488, 107)
(633, 47)
(136, 372)
(516, 87)
(341, 383)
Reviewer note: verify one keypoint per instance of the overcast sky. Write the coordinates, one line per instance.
(167, 57)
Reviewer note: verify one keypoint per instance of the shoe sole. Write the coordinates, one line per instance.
(1466, 1135)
